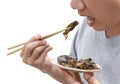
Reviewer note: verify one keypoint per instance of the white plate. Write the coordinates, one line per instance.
(54, 61)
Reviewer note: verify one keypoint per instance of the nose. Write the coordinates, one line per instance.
(77, 4)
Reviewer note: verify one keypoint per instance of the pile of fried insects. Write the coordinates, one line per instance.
(86, 64)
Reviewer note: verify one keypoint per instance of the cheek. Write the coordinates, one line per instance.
(105, 21)
(104, 14)
(102, 20)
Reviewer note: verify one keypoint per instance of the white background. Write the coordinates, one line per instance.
(19, 21)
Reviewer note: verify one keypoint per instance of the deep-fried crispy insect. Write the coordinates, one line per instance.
(70, 27)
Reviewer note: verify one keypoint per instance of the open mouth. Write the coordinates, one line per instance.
(90, 20)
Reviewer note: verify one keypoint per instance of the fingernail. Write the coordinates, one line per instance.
(37, 36)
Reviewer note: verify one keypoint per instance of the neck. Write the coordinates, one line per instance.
(113, 31)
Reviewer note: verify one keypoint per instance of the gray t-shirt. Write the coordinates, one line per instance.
(104, 51)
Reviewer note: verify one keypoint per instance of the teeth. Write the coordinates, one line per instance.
(90, 18)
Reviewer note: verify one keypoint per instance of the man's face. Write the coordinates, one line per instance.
(101, 14)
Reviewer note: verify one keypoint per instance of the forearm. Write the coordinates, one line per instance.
(57, 74)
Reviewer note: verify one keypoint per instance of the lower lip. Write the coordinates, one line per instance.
(90, 21)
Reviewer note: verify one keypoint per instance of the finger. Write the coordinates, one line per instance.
(68, 77)
(76, 76)
(36, 53)
(72, 77)
(43, 54)
(34, 38)
(91, 79)
(28, 50)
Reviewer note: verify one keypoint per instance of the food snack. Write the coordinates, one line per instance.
(70, 27)
(86, 64)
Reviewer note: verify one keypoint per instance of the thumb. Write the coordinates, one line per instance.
(91, 79)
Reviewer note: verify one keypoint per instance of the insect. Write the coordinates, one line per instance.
(86, 64)
(70, 27)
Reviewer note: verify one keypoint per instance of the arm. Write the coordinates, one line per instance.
(35, 52)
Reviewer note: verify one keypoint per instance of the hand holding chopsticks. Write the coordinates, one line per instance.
(69, 28)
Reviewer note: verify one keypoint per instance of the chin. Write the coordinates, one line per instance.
(98, 28)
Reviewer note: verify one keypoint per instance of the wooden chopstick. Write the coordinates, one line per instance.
(69, 28)
(44, 37)
(16, 46)
(14, 51)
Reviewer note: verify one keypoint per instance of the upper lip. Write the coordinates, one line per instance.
(81, 13)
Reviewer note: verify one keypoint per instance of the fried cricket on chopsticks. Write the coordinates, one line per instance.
(70, 27)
